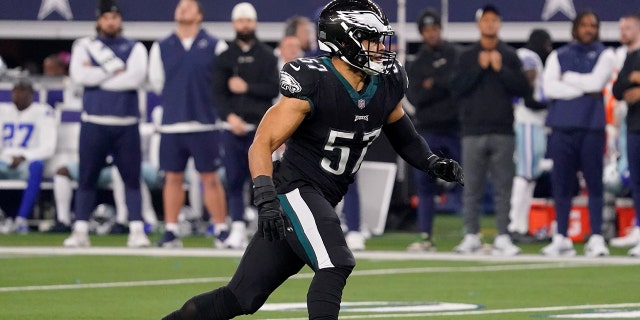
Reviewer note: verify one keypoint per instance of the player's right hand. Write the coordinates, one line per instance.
(270, 219)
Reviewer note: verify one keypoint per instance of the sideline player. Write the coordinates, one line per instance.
(333, 107)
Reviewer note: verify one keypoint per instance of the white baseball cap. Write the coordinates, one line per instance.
(244, 10)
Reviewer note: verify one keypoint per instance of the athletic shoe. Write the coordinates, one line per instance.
(220, 238)
(470, 244)
(237, 238)
(524, 238)
(138, 240)
(150, 228)
(630, 240)
(423, 245)
(560, 246)
(355, 241)
(596, 247)
(77, 240)
(7, 226)
(59, 227)
(169, 240)
(22, 229)
(21, 226)
(502, 246)
(635, 251)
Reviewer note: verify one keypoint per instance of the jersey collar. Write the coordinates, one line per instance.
(359, 100)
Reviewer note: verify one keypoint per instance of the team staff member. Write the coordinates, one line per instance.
(180, 71)
(111, 68)
(488, 77)
(627, 88)
(246, 82)
(437, 116)
(332, 109)
(574, 77)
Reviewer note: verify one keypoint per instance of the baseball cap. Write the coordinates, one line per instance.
(429, 17)
(105, 6)
(24, 83)
(244, 10)
(487, 8)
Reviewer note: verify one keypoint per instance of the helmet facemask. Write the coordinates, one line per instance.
(373, 56)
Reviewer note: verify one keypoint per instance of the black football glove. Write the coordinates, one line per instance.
(446, 169)
(270, 220)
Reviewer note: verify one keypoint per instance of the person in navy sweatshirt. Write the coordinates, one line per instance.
(111, 68)
(574, 77)
(245, 83)
(180, 71)
(627, 88)
(487, 78)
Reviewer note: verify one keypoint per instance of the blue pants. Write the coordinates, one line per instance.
(351, 206)
(96, 143)
(573, 151)
(236, 164)
(443, 145)
(32, 173)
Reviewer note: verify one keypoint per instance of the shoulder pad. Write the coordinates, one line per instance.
(399, 74)
(298, 78)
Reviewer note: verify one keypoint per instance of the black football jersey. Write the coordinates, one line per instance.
(328, 147)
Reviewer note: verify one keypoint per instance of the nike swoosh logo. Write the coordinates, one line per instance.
(296, 68)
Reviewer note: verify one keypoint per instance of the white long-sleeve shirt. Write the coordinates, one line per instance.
(132, 78)
(571, 85)
(31, 133)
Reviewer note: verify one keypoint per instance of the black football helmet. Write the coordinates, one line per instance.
(343, 26)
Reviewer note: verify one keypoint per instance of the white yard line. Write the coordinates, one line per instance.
(480, 312)
(493, 268)
(372, 255)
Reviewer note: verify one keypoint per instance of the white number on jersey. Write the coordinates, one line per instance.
(333, 144)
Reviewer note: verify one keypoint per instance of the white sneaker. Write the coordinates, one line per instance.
(355, 241)
(7, 226)
(77, 240)
(635, 251)
(596, 247)
(560, 246)
(423, 245)
(630, 240)
(502, 246)
(470, 244)
(237, 238)
(138, 239)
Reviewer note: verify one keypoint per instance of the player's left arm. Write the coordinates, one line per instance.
(135, 73)
(277, 125)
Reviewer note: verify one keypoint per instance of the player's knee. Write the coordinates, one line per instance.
(174, 178)
(211, 180)
(63, 172)
(36, 167)
(251, 303)
(217, 304)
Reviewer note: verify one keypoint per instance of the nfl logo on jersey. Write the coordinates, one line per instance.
(361, 104)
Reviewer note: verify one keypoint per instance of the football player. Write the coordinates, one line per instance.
(333, 107)
(29, 134)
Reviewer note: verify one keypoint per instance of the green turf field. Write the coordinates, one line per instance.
(41, 280)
